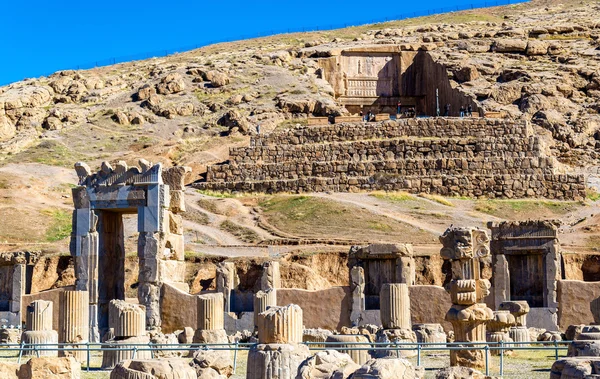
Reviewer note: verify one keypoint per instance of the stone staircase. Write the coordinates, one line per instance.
(473, 157)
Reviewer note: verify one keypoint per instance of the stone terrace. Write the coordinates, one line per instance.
(459, 157)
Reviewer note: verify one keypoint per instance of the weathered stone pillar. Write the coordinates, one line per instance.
(211, 321)
(395, 306)
(395, 318)
(281, 325)
(271, 277)
(39, 328)
(262, 301)
(463, 247)
(128, 323)
(347, 343)
(18, 288)
(357, 286)
(519, 309)
(279, 352)
(226, 282)
(497, 328)
(74, 322)
(126, 320)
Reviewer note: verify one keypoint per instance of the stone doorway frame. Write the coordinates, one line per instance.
(156, 195)
(514, 237)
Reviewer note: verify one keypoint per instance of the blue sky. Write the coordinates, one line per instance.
(39, 37)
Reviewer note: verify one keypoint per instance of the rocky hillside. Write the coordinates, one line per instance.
(537, 61)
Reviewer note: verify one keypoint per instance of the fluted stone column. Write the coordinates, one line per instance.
(262, 301)
(126, 320)
(39, 328)
(395, 318)
(128, 323)
(395, 306)
(39, 315)
(281, 325)
(279, 352)
(211, 321)
(519, 309)
(74, 322)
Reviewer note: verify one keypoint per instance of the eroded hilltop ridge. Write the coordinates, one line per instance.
(536, 61)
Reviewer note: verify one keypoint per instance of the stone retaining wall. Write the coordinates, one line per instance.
(389, 149)
(412, 127)
(474, 157)
(562, 187)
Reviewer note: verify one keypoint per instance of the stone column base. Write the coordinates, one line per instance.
(468, 358)
(519, 334)
(41, 337)
(275, 361)
(110, 358)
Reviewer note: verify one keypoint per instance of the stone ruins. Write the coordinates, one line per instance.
(39, 328)
(375, 78)
(494, 291)
(526, 266)
(464, 247)
(472, 157)
(100, 200)
(279, 352)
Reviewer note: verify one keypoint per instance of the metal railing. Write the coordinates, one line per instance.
(556, 347)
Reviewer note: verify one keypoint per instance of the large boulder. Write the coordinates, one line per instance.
(217, 78)
(510, 45)
(535, 47)
(7, 130)
(153, 369)
(466, 74)
(386, 368)
(208, 363)
(233, 119)
(327, 364)
(51, 368)
(171, 83)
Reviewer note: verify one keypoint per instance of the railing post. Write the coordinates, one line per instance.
(235, 357)
(487, 366)
(87, 344)
(418, 354)
(37, 352)
(556, 350)
(22, 345)
(397, 352)
(134, 352)
(501, 358)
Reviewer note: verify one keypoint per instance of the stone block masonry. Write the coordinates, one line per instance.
(475, 157)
